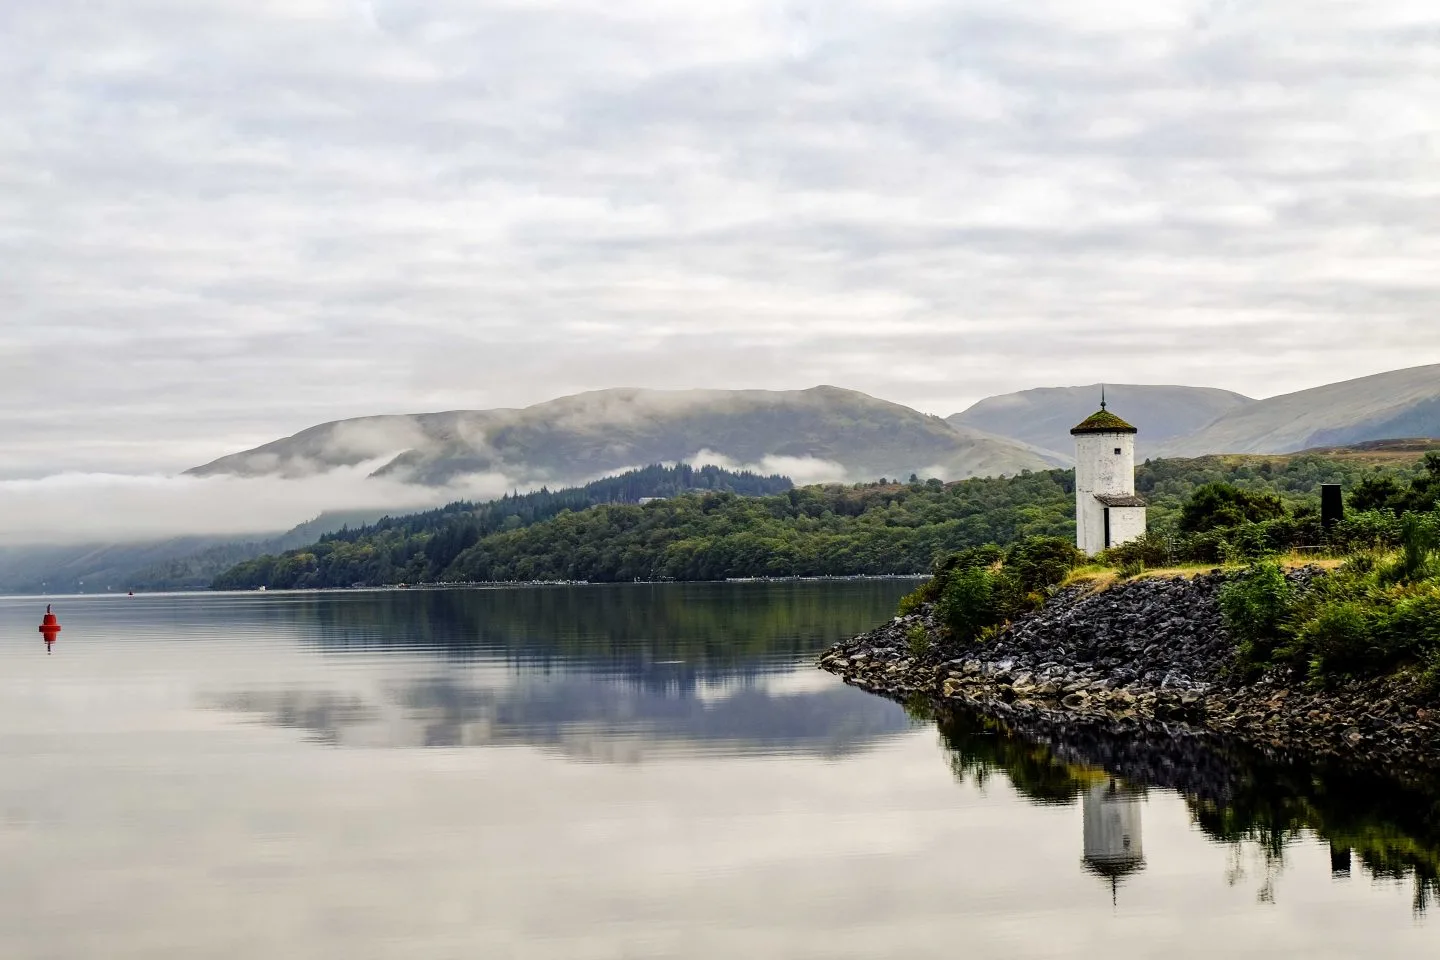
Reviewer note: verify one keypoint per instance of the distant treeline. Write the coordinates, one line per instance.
(421, 547)
(736, 528)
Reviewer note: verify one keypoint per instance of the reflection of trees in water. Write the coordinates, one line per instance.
(1236, 796)
(687, 665)
(1392, 830)
(703, 624)
(979, 747)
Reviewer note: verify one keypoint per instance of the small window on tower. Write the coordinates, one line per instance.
(1117, 451)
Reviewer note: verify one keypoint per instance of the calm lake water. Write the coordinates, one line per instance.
(624, 772)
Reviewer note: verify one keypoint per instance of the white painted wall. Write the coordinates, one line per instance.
(1099, 469)
(1126, 524)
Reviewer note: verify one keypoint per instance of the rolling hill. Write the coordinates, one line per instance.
(1396, 405)
(824, 433)
(1043, 417)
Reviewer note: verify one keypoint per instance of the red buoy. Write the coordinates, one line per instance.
(49, 627)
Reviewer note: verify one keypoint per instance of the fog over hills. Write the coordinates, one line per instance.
(1399, 404)
(184, 562)
(1043, 417)
(824, 433)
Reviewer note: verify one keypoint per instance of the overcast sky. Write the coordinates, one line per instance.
(222, 221)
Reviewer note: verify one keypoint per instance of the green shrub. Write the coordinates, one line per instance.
(1413, 621)
(1362, 621)
(1252, 541)
(1362, 564)
(1419, 546)
(1339, 639)
(1151, 550)
(947, 566)
(977, 591)
(1376, 614)
(917, 598)
(1256, 606)
(1218, 505)
(1368, 530)
(917, 638)
(1042, 562)
(967, 603)
(1131, 569)
(1209, 547)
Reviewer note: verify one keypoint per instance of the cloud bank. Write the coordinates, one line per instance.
(94, 508)
(802, 470)
(226, 221)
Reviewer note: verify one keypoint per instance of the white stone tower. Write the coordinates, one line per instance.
(1107, 511)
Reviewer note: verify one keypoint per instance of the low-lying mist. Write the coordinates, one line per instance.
(102, 508)
(801, 470)
(75, 508)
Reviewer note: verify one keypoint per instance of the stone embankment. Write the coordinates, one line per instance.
(1148, 656)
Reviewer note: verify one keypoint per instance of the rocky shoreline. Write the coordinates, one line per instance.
(1144, 657)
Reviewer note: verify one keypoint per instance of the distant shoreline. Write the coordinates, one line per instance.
(476, 585)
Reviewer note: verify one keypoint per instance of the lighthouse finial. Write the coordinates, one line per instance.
(1102, 396)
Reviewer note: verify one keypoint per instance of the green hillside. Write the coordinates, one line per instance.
(833, 530)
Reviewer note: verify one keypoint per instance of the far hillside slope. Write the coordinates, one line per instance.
(175, 563)
(1043, 417)
(824, 433)
(1396, 405)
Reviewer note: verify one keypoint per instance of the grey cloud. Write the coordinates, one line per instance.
(224, 222)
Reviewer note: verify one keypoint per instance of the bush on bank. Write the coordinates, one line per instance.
(1376, 614)
(979, 590)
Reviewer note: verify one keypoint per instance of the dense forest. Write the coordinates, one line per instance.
(417, 547)
(878, 528)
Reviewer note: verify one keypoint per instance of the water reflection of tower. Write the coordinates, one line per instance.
(1113, 846)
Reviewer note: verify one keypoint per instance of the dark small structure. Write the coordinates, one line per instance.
(1332, 505)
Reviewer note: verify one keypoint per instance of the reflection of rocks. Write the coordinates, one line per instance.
(1113, 847)
(581, 715)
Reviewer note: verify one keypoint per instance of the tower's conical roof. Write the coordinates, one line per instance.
(1103, 421)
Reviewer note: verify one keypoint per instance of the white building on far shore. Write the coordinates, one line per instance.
(1107, 511)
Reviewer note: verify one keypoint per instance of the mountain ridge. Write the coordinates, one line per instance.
(827, 433)
(1398, 404)
(821, 433)
(1043, 416)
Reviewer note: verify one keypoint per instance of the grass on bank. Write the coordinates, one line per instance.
(1101, 575)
